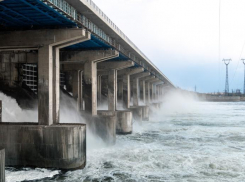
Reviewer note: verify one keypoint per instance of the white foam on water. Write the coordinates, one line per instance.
(185, 141)
(29, 174)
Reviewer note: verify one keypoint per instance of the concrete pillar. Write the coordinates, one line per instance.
(45, 86)
(144, 91)
(148, 96)
(2, 165)
(80, 91)
(112, 90)
(136, 92)
(126, 82)
(77, 88)
(51, 42)
(136, 88)
(89, 60)
(90, 87)
(120, 89)
(111, 67)
(127, 93)
(99, 90)
(152, 92)
(1, 111)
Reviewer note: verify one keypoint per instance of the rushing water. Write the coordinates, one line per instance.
(185, 141)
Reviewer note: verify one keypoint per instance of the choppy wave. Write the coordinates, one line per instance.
(203, 142)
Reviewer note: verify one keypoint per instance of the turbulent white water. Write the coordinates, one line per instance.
(185, 141)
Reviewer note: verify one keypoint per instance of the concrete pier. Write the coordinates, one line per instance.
(60, 146)
(2, 165)
(105, 126)
(137, 113)
(124, 122)
(145, 113)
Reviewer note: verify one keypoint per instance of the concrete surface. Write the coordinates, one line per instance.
(124, 122)
(57, 146)
(2, 165)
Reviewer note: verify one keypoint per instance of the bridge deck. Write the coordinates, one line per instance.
(34, 14)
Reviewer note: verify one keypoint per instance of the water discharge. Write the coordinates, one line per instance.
(185, 141)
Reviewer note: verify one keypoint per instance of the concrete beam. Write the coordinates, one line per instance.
(40, 38)
(151, 77)
(81, 57)
(102, 73)
(130, 71)
(117, 65)
(140, 75)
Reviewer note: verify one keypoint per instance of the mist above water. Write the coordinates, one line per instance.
(186, 140)
(11, 111)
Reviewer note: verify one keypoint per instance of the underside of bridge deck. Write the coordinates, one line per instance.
(46, 49)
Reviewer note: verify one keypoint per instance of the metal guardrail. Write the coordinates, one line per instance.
(70, 12)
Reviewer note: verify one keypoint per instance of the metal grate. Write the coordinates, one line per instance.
(30, 76)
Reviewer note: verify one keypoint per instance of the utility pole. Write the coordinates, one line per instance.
(227, 62)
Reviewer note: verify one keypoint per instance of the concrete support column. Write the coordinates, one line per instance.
(136, 86)
(80, 91)
(156, 92)
(2, 165)
(112, 90)
(127, 93)
(1, 111)
(89, 60)
(45, 86)
(99, 89)
(144, 91)
(148, 96)
(48, 42)
(152, 90)
(56, 84)
(90, 87)
(75, 85)
(77, 89)
(136, 92)
(120, 89)
(126, 82)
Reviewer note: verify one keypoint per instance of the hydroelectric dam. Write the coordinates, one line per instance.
(50, 48)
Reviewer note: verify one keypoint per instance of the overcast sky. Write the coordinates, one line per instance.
(181, 37)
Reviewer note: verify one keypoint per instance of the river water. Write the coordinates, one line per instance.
(184, 141)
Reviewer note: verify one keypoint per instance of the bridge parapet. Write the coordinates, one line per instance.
(86, 14)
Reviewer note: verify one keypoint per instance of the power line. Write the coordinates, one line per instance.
(238, 63)
(219, 42)
(243, 61)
